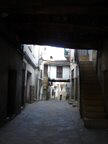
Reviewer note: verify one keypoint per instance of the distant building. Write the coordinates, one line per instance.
(31, 73)
(58, 73)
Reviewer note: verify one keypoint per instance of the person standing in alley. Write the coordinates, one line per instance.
(60, 96)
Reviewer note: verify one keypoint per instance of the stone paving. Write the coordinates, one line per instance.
(50, 122)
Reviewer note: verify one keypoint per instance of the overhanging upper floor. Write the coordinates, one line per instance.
(67, 23)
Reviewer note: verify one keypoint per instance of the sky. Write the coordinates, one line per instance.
(56, 53)
(46, 52)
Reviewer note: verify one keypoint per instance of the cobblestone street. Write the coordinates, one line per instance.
(50, 122)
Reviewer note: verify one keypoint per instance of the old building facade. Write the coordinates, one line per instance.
(58, 73)
(30, 66)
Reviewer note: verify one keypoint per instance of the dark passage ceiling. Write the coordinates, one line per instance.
(67, 23)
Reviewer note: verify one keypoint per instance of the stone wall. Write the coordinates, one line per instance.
(4, 56)
(31, 85)
(102, 70)
(10, 79)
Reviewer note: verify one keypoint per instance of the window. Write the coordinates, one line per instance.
(45, 70)
(59, 71)
(72, 74)
(41, 74)
(30, 49)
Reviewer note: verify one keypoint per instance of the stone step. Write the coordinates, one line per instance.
(96, 92)
(88, 73)
(89, 76)
(90, 86)
(93, 97)
(89, 83)
(86, 65)
(87, 89)
(86, 62)
(87, 68)
(93, 103)
(96, 123)
(94, 115)
(92, 100)
(94, 108)
(91, 93)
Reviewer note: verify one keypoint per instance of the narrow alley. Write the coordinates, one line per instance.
(50, 122)
(53, 72)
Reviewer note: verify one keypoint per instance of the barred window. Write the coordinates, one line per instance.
(59, 71)
(45, 70)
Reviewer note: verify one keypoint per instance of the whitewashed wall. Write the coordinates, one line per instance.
(32, 71)
(33, 52)
(66, 72)
(52, 72)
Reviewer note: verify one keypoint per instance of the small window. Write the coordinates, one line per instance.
(30, 49)
(72, 74)
(41, 74)
(45, 70)
(59, 71)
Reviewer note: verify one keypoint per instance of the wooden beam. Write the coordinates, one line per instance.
(61, 80)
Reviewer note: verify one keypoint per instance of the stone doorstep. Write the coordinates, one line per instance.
(73, 103)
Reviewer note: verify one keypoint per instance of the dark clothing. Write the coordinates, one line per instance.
(60, 97)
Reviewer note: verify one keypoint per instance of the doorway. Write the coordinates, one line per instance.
(12, 80)
(28, 81)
